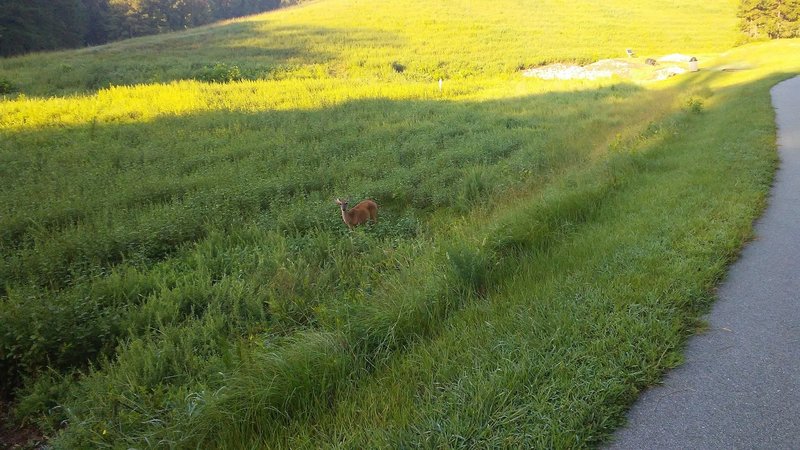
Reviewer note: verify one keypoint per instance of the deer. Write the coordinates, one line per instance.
(363, 211)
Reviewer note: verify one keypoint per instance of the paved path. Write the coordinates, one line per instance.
(740, 385)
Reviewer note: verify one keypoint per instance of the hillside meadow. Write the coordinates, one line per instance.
(175, 272)
(398, 42)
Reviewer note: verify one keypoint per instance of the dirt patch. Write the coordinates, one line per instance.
(18, 437)
(606, 68)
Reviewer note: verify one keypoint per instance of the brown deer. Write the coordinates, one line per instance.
(363, 211)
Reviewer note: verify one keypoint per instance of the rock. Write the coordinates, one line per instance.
(666, 72)
(676, 57)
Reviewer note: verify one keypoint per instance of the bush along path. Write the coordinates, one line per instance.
(739, 386)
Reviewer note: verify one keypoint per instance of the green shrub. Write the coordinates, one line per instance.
(64, 332)
(774, 19)
(475, 187)
(46, 393)
(7, 87)
(471, 265)
(220, 73)
(694, 105)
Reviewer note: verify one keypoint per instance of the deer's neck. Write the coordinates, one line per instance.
(345, 215)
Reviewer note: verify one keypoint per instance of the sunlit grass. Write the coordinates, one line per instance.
(393, 42)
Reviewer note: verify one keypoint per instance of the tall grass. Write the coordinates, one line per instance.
(554, 354)
(82, 244)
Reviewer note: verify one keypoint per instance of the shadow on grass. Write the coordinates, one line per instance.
(258, 50)
(424, 155)
(80, 201)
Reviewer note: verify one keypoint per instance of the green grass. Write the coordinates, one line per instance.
(554, 356)
(175, 272)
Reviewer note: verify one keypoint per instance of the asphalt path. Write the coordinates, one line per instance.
(740, 385)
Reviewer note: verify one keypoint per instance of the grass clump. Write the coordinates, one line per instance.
(7, 87)
(219, 73)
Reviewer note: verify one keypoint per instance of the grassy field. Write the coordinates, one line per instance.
(175, 272)
(396, 43)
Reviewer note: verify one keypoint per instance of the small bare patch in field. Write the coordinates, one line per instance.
(13, 437)
(634, 68)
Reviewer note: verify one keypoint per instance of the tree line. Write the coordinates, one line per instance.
(772, 19)
(34, 25)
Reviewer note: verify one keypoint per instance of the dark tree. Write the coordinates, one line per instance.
(773, 19)
(98, 16)
(32, 25)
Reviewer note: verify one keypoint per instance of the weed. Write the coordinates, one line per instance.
(471, 265)
(219, 73)
(694, 105)
(7, 87)
(476, 188)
